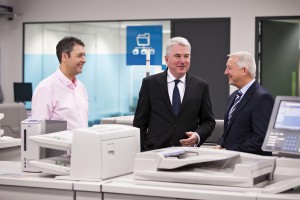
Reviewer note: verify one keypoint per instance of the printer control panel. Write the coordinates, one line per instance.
(32, 121)
(279, 141)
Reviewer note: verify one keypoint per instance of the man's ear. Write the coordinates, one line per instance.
(64, 56)
(166, 58)
(245, 70)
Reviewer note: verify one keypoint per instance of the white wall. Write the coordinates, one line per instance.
(241, 12)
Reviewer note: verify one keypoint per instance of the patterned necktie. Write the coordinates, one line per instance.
(236, 102)
(176, 102)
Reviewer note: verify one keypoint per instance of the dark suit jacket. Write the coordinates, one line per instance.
(249, 123)
(158, 125)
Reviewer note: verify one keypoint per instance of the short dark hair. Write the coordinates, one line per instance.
(66, 45)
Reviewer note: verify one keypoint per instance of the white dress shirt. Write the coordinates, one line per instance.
(246, 87)
(171, 83)
(181, 87)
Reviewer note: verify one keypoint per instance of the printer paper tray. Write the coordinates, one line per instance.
(60, 140)
(52, 165)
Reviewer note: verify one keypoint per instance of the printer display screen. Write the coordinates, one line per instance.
(288, 116)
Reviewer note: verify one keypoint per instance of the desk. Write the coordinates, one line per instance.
(140, 190)
(93, 190)
(88, 190)
(286, 196)
(130, 189)
(34, 186)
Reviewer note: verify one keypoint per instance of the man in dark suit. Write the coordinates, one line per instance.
(249, 108)
(174, 107)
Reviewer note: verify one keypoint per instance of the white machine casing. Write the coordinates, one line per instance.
(125, 120)
(103, 151)
(204, 166)
(1, 130)
(29, 149)
(14, 113)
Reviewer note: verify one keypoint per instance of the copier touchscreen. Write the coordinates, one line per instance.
(283, 134)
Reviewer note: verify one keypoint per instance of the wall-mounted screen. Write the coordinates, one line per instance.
(22, 92)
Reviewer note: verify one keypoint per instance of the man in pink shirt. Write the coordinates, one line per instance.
(61, 96)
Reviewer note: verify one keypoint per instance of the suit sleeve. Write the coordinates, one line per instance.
(260, 121)
(142, 114)
(206, 119)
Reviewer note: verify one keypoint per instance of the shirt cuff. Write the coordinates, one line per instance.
(195, 145)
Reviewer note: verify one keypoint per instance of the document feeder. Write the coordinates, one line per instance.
(204, 166)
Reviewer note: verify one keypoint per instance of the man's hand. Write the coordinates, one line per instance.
(217, 147)
(191, 140)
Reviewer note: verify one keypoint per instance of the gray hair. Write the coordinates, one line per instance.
(246, 60)
(177, 40)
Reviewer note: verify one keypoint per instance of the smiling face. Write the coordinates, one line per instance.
(237, 76)
(178, 60)
(73, 64)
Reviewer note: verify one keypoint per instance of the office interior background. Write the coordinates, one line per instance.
(113, 87)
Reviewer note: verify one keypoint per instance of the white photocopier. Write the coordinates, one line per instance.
(30, 151)
(204, 173)
(95, 153)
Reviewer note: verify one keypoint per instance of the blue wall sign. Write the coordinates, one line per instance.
(139, 38)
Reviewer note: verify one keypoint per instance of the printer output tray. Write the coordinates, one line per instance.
(55, 165)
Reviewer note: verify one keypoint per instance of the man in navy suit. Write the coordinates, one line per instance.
(164, 123)
(249, 108)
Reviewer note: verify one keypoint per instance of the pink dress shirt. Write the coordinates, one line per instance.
(58, 98)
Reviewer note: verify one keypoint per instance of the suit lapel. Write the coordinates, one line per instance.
(247, 96)
(188, 88)
(164, 90)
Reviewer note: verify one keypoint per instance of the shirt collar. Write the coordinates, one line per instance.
(246, 87)
(67, 82)
(171, 78)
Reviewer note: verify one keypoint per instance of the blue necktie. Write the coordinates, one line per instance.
(176, 102)
(236, 102)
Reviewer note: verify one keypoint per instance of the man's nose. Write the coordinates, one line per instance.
(226, 72)
(182, 59)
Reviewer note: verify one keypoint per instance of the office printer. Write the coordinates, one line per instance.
(31, 151)
(204, 166)
(97, 153)
(215, 169)
(224, 170)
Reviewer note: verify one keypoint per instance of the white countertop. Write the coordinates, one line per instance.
(10, 174)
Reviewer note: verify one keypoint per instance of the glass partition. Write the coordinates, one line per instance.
(112, 84)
